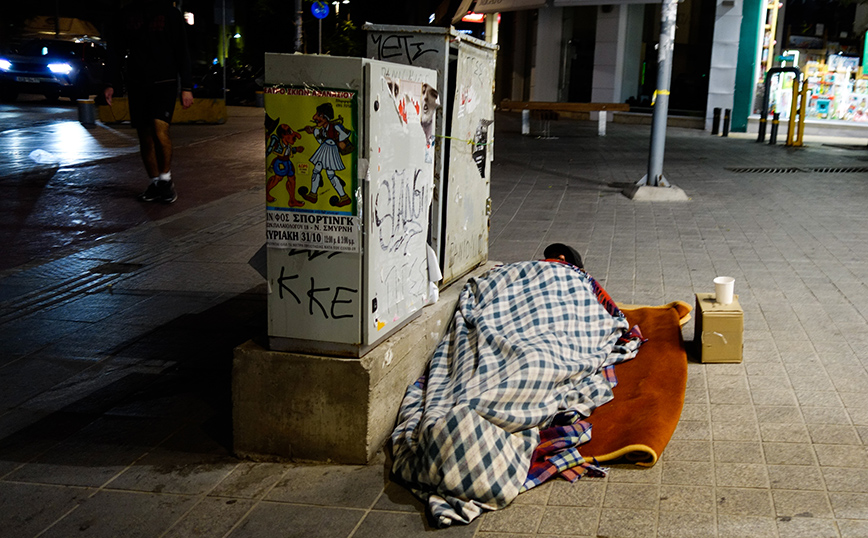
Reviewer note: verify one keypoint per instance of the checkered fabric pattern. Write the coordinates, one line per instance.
(526, 350)
(585, 468)
(557, 451)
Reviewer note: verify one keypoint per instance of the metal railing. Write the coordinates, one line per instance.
(796, 123)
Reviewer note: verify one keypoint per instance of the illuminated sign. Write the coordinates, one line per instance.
(473, 17)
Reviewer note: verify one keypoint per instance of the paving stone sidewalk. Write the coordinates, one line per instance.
(115, 363)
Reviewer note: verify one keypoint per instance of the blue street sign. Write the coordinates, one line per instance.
(320, 9)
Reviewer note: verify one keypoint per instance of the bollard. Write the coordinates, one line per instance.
(715, 121)
(546, 118)
(794, 113)
(803, 100)
(86, 111)
(260, 99)
(773, 134)
(761, 133)
(726, 114)
(525, 122)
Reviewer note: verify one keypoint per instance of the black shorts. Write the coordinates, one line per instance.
(152, 101)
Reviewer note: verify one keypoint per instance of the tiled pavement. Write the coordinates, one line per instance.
(115, 358)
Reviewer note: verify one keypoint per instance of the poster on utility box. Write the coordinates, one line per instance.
(310, 169)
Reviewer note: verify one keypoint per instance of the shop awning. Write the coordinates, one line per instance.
(63, 28)
(494, 6)
(569, 3)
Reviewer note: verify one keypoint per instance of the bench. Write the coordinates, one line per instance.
(527, 106)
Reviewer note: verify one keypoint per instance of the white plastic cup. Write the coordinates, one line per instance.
(723, 288)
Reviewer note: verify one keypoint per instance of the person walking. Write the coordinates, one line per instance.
(150, 35)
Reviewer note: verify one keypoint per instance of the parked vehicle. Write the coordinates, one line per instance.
(242, 83)
(53, 68)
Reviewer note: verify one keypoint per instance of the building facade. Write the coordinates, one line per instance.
(581, 51)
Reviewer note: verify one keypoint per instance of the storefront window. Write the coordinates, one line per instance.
(824, 39)
(835, 90)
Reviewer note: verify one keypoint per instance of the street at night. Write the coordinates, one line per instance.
(334, 331)
(85, 189)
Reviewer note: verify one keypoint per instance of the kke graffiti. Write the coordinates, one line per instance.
(399, 209)
(393, 46)
(342, 296)
(321, 297)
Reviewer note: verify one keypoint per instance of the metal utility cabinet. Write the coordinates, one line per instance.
(464, 137)
(349, 169)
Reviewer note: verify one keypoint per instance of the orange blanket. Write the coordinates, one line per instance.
(636, 426)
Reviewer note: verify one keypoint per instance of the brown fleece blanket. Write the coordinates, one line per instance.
(636, 426)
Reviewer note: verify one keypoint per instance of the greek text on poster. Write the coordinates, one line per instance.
(289, 229)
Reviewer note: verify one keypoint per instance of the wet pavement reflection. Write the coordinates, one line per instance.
(62, 183)
(65, 143)
(30, 110)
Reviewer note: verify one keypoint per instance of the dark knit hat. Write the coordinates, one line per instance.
(555, 250)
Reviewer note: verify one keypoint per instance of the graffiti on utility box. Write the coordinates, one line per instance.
(401, 48)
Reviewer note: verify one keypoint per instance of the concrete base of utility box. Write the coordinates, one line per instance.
(292, 406)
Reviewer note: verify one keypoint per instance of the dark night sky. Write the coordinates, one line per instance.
(379, 11)
(267, 24)
(801, 13)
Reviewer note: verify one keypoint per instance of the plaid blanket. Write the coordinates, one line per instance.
(557, 453)
(526, 350)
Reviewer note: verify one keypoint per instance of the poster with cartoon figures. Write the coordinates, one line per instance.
(310, 169)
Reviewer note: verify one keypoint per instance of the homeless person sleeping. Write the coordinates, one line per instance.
(530, 352)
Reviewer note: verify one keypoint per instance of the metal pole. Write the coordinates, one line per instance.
(56, 18)
(803, 101)
(767, 96)
(764, 112)
(655, 178)
(794, 108)
(320, 36)
(773, 135)
(715, 121)
(223, 49)
(298, 21)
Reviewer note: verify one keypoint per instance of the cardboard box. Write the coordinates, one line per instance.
(719, 330)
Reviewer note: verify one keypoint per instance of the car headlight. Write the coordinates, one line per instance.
(60, 69)
(5, 64)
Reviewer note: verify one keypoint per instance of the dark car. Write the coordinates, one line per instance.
(242, 83)
(53, 68)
